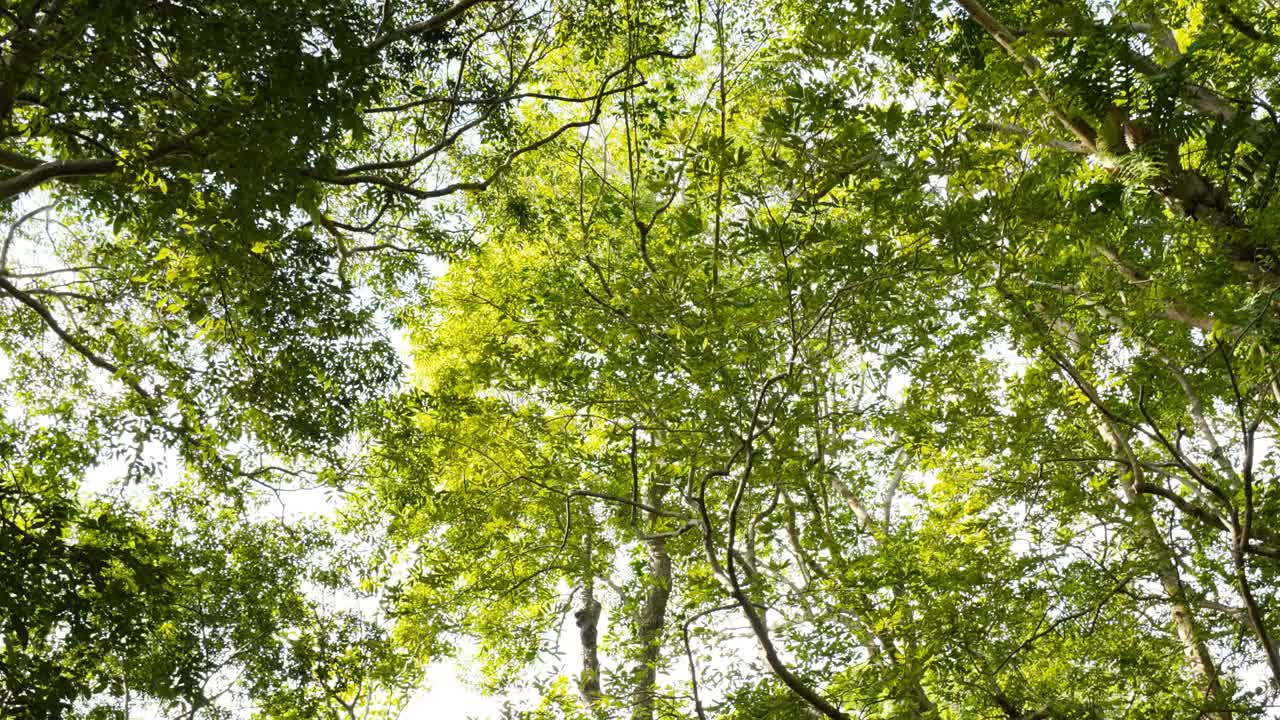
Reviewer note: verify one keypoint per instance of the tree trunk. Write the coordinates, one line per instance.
(1196, 652)
(653, 615)
(587, 619)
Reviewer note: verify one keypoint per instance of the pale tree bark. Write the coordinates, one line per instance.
(1199, 660)
(887, 651)
(1187, 189)
(1227, 516)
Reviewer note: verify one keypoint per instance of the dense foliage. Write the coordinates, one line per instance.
(767, 359)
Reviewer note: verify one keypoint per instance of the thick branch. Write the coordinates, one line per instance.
(1030, 66)
(587, 618)
(18, 161)
(54, 170)
(423, 26)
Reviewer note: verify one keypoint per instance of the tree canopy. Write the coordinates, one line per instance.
(671, 360)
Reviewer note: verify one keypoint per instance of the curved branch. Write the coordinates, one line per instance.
(76, 344)
(688, 653)
(55, 170)
(8, 239)
(754, 618)
(422, 26)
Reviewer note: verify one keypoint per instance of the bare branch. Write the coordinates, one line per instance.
(688, 653)
(1053, 143)
(8, 239)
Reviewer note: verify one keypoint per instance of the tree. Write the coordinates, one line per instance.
(895, 361)
(198, 202)
(723, 314)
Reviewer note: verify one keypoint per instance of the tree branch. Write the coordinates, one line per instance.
(422, 26)
(1030, 66)
(76, 344)
(55, 170)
